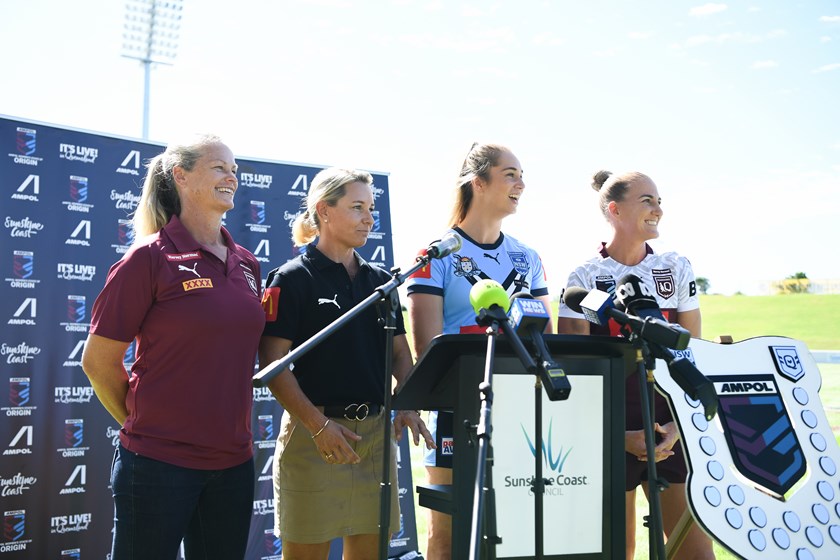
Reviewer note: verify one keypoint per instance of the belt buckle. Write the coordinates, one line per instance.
(355, 411)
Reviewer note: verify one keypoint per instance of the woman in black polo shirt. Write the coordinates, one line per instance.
(328, 462)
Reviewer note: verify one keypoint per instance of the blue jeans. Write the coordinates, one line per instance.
(157, 504)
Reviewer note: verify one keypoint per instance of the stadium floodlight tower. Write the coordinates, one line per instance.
(150, 35)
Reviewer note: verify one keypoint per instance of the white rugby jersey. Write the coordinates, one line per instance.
(669, 275)
(513, 264)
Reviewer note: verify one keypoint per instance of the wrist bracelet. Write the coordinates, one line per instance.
(318, 433)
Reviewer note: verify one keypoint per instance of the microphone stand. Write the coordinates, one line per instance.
(494, 319)
(645, 365)
(384, 293)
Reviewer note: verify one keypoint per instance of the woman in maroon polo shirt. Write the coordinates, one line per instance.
(189, 295)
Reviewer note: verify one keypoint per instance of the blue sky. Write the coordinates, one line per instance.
(730, 107)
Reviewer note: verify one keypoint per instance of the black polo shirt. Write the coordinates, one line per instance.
(308, 293)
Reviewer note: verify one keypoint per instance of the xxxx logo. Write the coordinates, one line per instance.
(197, 283)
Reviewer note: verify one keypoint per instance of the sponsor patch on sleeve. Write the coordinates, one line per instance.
(426, 271)
(270, 301)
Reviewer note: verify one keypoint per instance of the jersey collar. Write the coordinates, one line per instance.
(487, 246)
(321, 261)
(184, 242)
(602, 250)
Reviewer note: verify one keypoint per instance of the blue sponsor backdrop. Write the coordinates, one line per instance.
(67, 197)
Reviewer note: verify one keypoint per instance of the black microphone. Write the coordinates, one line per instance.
(528, 317)
(450, 243)
(637, 299)
(593, 304)
(694, 383)
(598, 307)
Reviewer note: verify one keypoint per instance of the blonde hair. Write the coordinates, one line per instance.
(613, 188)
(478, 162)
(327, 186)
(159, 200)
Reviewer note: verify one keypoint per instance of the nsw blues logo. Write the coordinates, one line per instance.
(520, 262)
(787, 362)
(758, 431)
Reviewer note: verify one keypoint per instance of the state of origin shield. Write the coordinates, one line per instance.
(763, 475)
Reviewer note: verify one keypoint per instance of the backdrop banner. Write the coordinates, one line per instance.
(67, 199)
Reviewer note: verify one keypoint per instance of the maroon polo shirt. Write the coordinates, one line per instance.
(197, 321)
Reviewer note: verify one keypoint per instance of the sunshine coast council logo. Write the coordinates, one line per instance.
(557, 477)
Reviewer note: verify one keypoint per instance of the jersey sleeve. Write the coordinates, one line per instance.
(689, 299)
(129, 292)
(282, 302)
(429, 279)
(575, 279)
(539, 278)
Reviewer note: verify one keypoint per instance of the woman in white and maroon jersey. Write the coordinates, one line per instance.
(631, 204)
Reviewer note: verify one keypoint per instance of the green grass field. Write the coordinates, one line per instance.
(812, 319)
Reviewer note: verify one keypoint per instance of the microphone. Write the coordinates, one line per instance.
(528, 317)
(450, 243)
(637, 299)
(488, 295)
(592, 304)
(490, 302)
(694, 383)
(598, 307)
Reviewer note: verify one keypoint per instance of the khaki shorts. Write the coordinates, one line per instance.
(314, 501)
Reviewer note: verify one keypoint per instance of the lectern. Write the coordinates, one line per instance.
(447, 376)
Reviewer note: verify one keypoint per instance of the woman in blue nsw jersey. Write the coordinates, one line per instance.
(489, 189)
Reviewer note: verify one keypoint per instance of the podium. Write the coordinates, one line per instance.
(446, 377)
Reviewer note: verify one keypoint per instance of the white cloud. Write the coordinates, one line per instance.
(825, 39)
(830, 19)
(827, 68)
(762, 64)
(754, 9)
(706, 10)
(605, 53)
(638, 35)
(736, 37)
(548, 39)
